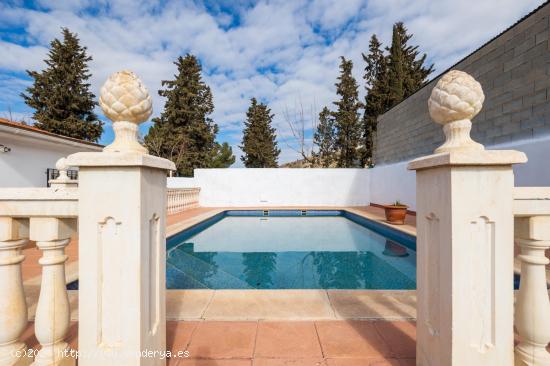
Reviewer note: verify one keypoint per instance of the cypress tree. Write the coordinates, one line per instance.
(415, 70)
(389, 79)
(396, 67)
(186, 120)
(60, 94)
(325, 137)
(259, 143)
(376, 99)
(407, 71)
(347, 118)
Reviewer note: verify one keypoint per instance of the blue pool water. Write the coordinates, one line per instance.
(290, 250)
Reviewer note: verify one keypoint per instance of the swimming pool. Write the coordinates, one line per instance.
(290, 249)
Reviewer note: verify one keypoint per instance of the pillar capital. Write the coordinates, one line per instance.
(119, 159)
(469, 158)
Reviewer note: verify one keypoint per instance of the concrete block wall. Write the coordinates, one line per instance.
(514, 71)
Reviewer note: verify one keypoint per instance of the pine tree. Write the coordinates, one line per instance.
(325, 137)
(259, 143)
(347, 118)
(185, 120)
(222, 156)
(60, 94)
(376, 99)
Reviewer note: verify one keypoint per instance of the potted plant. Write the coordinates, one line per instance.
(395, 213)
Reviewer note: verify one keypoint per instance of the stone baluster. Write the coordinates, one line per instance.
(532, 316)
(465, 238)
(122, 213)
(52, 319)
(13, 306)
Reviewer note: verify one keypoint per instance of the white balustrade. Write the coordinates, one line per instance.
(52, 235)
(16, 207)
(532, 312)
(181, 199)
(13, 307)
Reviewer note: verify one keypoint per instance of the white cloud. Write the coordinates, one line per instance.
(283, 52)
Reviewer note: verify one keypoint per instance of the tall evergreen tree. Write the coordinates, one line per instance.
(259, 143)
(347, 118)
(186, 119)
(222, 156)
(407, 71)
(396, 67)
(60, 94)
(376, 99)
(389, 79)
(325, 137)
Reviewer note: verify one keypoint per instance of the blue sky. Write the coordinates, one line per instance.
(285, 53)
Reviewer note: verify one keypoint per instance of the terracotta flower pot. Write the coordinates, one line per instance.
(395, 214)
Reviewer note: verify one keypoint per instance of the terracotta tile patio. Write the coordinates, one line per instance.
(267, 343)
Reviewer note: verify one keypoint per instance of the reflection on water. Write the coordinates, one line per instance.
(339, 271)
(259, 269)
(306, 270)
(393, 249)
(289, 253)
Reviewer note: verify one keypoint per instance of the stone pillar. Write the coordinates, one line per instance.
(533, 305)
(52, 318)
(464, 238)
(14, 235)
(122, 211)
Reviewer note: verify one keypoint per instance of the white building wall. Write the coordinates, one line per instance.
(26, 163)
(279, 187)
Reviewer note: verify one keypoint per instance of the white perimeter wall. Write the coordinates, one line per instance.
(536, 172)
(279, 187)
(393, 182)
(340, 187)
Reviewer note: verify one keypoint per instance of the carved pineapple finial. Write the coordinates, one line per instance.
(455, 100)
(61, 166)
(125, 100)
